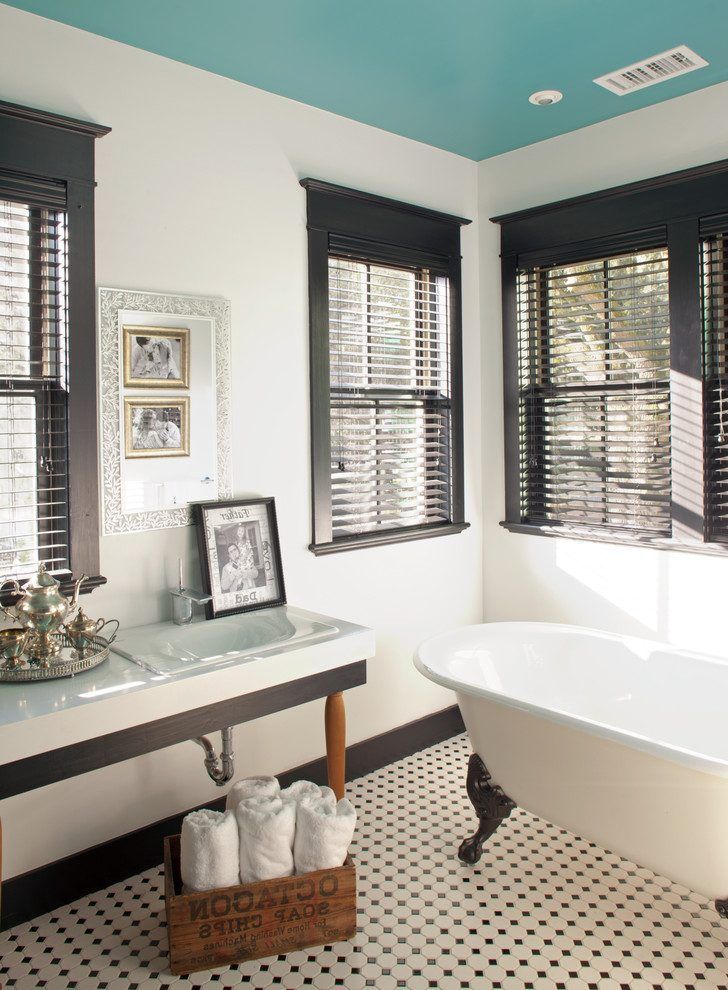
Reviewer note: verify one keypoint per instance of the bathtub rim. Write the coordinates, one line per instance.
(711, 765)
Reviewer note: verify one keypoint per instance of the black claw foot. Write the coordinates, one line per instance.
(722, 908)
(491, 806)
(470, 850)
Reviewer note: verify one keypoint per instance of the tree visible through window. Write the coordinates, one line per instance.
(594, 357)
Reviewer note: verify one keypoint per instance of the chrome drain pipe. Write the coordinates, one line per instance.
(219, 768)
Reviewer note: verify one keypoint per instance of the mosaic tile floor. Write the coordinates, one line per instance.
(543, 910)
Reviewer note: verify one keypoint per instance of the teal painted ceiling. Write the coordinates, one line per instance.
(452, 73)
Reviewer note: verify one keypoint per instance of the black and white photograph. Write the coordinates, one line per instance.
(157, 427)
(156, 357)
(240, 555)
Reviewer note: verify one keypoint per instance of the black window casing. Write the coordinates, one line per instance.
(670, 210)
(37, 148)
(387, 231)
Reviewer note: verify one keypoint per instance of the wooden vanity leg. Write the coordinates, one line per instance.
(335, 721)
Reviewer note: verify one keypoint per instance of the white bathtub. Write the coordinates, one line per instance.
(623, 741)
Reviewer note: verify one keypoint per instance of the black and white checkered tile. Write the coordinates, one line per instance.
(543, 910)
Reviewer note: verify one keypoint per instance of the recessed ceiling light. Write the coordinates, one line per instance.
(545, 97)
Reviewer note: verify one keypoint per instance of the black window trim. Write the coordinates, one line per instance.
(342, 221)
(41, 148)
(672, 208)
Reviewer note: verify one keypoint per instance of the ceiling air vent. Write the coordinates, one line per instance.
(674, 62)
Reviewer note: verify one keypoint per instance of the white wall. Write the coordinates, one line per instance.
(198, 192)
(676, 596)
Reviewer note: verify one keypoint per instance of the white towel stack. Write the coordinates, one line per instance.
(266, 833)
(209, 855)
(324, 830)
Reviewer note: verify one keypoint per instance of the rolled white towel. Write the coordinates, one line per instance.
(263, 787)
(328, 797)
(300, 789)
(209, 850)
(306, 790)
(266, 827)
(324, 831)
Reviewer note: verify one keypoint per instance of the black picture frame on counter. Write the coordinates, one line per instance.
(240, 555)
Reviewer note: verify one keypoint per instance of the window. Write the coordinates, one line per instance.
(714, 258)
(390, 397)
(615, 369)
(33, 390)
(48, 465)
(385, 372)
(594, 379)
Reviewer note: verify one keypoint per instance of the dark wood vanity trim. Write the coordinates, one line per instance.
(32, 772)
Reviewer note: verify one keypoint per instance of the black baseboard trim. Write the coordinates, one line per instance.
(50, 887)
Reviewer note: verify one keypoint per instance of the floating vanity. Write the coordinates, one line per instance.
(167, 684)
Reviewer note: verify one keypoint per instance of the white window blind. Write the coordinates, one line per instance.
(594, 389)
(390, 396)
(33, 389)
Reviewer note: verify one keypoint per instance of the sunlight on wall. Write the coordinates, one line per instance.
(694, 612)
(629, 580)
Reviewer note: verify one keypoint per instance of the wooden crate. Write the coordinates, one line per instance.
(250, 921)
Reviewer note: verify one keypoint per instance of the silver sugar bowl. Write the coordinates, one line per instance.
(82, 630)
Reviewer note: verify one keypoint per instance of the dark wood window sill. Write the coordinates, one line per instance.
(89, 585)
(404, 535)
(618, 539)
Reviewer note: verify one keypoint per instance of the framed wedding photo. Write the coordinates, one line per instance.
(157, 427)
(240, 556)
(156, 357)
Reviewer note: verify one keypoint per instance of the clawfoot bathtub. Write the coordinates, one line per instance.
(620, 740)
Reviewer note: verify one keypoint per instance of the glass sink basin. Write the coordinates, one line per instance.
(172, 650)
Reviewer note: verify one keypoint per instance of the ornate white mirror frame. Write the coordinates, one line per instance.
(115, 305)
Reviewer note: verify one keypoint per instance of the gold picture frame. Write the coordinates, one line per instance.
(151, 440)
(164, 347)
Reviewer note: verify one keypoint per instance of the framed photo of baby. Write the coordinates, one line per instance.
(240, 555)
(156, 357)
(157, 427)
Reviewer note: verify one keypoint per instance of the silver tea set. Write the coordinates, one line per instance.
(42, 612)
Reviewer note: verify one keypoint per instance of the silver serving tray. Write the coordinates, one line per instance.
(65, 664)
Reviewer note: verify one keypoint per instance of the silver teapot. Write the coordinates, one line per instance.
(42, 610)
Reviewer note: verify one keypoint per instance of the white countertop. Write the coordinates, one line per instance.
(43, 715)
